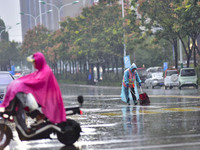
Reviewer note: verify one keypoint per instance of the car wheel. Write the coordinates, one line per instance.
(165, 87)
(197, 86)
(170, 87)
(152, 86)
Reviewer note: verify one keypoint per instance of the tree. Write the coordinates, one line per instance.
(35, 40)
(157, 18)
(9, 53)
(4, 34)
(96, 35)
(173, 19)
(188, 14)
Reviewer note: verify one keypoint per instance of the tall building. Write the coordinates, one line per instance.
(49, 12)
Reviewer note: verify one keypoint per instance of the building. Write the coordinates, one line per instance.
(49, 12)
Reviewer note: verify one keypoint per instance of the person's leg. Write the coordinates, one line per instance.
(21, 115)
(133, 95)
(28, 100)
(126, 95)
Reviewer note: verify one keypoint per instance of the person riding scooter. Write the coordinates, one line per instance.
(40, 85)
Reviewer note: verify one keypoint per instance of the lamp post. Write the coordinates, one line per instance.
(8, 28)
(58, 8)
(1, 33)
(123, 28)
(35, 17)
(181, 53)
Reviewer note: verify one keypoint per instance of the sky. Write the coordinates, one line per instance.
(9, 13)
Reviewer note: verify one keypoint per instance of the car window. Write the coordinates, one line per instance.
(169, 73)
(5, 78)
(160, 70)
(142, 72)
(188, 72)
(159, 74)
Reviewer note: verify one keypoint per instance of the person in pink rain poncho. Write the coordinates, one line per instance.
(43, 85)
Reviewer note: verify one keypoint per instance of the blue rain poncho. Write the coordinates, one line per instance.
(124, 97)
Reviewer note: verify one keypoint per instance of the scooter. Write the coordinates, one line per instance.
(67, 132)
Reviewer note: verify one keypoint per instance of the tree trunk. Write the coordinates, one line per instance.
(92, 72)
(188, 54)
(113, 65)
(108, 67)
(70, 69)
(195, 63)
(175, 53)
(116, 62)
(98, 72)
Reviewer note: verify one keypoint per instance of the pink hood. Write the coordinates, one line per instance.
(43, 85)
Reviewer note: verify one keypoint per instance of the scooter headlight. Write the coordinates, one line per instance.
(2, 109)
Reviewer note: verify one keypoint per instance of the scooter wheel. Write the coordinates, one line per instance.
(5, 136)
(71, 132)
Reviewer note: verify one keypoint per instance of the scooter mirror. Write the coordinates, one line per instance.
(80, 100)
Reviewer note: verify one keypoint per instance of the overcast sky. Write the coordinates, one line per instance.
(9, 12)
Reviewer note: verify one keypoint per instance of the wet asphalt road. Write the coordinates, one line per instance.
(170, 122)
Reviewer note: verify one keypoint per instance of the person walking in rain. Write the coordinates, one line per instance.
(129, 85)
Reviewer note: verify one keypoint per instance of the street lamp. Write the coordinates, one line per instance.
(1, 33)
(35, 17)
(8, 28)
(123, 28)
(58, 8)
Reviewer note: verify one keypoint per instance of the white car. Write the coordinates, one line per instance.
(5, 79)
(188, 77)
(171, 78)
(154, 79)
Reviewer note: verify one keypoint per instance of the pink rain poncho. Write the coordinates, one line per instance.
(44, 87)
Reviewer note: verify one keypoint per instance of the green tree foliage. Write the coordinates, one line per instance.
(173, 19)
(9, 53)
(187, 14)
(35, 40)
(96, 35)
(3, 32)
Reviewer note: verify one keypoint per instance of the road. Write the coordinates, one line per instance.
(170, 122)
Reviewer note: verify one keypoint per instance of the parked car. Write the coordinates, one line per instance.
(154, 69)
(154, 79)
(171, 78)
(187, 77)
(5, 79)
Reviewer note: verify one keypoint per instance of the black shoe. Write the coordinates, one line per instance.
(135, 102)
(128, 101)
